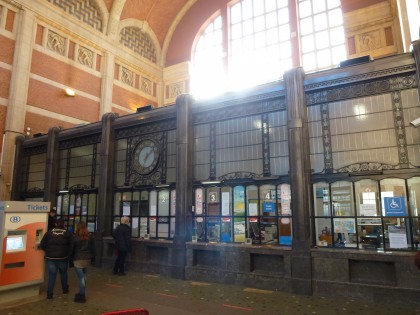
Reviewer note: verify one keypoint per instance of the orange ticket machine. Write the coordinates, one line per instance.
(22, 225)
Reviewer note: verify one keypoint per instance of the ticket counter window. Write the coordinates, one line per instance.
(378, 216)
(261, 214)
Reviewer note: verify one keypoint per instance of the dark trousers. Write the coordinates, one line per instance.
(120, 262)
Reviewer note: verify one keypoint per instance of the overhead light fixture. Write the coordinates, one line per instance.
(415, 122)
(210, 182)
(69, 92)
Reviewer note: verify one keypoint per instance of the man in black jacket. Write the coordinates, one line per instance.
(57, 245)
(122, 237)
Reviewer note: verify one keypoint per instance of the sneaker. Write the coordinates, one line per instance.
(49, 296)
(66, 290)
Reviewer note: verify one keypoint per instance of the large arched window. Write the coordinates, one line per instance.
(254, 42)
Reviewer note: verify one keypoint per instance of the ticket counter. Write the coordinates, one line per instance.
(21, 262)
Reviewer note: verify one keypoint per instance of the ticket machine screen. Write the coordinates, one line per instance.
(15, 242)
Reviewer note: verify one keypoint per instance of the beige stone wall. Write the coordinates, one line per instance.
(373, 31)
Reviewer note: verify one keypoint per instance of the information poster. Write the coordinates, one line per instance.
(253, 209)
(397, 236)
(126, 208)
(344, 225)
(225, 203)
(367, 210)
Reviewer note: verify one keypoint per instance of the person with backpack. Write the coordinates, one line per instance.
(82, 255)
(57, 244)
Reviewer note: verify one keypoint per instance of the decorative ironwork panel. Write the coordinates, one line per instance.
(265, 130)
(146, 129)
(326, 138)
(400, 129)
(212, 151)
(333, 94)
(246, 107)
(144, 163)
(34, 150)
(79, 142)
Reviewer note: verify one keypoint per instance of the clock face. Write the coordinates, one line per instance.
(146, 156)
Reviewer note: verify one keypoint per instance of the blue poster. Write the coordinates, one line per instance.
(268, 206)
(394, 206)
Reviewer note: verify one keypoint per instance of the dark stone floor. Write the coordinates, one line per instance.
(165, 296)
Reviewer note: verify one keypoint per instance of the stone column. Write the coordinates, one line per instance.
(51, 166)
(15, 117)
(183, 223)
(107, 83)
(18, 171)
(104, 204)
(300, 180)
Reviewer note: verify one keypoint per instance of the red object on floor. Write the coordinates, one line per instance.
(138, 311)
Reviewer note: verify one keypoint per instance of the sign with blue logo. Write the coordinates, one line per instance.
(269, 206)
(395, 206)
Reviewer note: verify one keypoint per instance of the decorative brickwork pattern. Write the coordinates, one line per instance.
(139, 42)
(83, 10)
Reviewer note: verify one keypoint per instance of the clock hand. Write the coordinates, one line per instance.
(147, 155)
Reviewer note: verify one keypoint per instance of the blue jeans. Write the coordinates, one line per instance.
(81, 276)
(54, 266)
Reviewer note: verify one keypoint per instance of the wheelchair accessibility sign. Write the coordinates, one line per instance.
(394, 206)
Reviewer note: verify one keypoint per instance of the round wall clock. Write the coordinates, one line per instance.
(146, 156)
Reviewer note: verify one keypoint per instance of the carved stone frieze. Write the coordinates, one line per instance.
(127, 76)
(85, 57)
(56, 43)
(146, 86)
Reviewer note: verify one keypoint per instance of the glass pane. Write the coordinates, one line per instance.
(396, 233)
(414, 193)
(163, 203)
(254, 230)
(306, 26)
(239, 230)
(367, 198)
(322, 199)
(335, 17)
(320, 21)
(323, 232)
(344, 232)
(268, 200)
(200, 230)
(268, 228)
(143, 227)
(152, 227)
(144, 204)
(213, 229)
(199, 201)
(283, 16)
(319, 6)
(305, 8)
(226, 201)
(285, 231)
(134, 227)
(226, 230)
(252, 200)
(285, 200)
(342, 198)
(370, 233)
(213, 201)
(308, 43)
(322, 40)
(393, 197)
(153, 203)
(239, 201)
(172, 229)
(92, 204)
(173, 202)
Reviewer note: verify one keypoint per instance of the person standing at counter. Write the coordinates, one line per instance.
(122, 237)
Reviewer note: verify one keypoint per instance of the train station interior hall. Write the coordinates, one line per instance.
(201, 157)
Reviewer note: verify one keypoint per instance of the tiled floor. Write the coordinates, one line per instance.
(165, 296)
